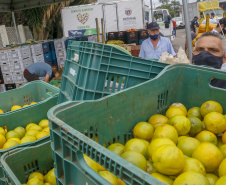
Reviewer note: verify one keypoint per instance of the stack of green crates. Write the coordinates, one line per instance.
(46, 97)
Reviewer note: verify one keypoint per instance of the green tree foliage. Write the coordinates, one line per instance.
(173, 7)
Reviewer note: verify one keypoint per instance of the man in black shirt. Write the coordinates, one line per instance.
(194, 24)
(210, 50)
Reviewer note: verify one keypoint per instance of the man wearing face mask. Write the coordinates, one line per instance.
(210, 50)
(153, 47)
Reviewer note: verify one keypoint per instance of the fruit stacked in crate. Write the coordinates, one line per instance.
(60, 50)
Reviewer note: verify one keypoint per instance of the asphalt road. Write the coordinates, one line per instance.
(179, 41)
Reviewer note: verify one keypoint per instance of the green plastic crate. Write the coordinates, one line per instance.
(94, 70)
(19, 164)
(36, 91)
(23, 117)
(112, 118)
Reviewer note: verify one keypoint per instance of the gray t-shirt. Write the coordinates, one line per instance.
(40, 69)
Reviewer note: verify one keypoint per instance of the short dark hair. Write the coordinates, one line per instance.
(212, 14)
(54, 66)
(215, 34)
(222, 21)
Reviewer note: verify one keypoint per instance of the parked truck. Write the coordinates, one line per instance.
(201, 9)
(117, 15)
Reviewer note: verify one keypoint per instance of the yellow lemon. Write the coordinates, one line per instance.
(150, 168)
(35, 181)
(29, 125)
(157, 143)
(196, 126)
(12, 134)
(166, 131)
(210, 106)
(207, 136)
(157, 120)
(209, 155)
(2, 131)
(223, 150)
(195, 112)
(187, 145)
(117, 148)
(174, 111)
(1, 111)
(215, 122)
(9, 144)
(221, 181)
(143, 130)
(35, 127)
(50, 177)
(109, 177)
(168, 160)
(91, 163)
(181, 137)
(32, 132)
(163, 178)
(211, 178)
(44, 123)
(224, 137)
(136, 159)
(36, 175)
(181, 124)
(28, 139)
(120, 182)
(46, 130)
(41, 135)
(21, 131)
(15, 139)
(32, 103)
(191, 178)
(179, 105)
(222, 168)
(192, 164)
(15, 107)
(137, 145)
(2, 140)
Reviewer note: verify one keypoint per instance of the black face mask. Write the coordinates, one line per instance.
(207, 59)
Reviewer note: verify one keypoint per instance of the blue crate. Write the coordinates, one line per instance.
(51, 46)
(48, 58)
(53, 54)
(46, 47)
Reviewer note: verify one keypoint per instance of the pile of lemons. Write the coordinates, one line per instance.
(15, 107)
(37, 178)
(21, 135)
(180, 147)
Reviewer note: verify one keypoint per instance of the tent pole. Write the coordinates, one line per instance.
(187, 28)
(14, 22)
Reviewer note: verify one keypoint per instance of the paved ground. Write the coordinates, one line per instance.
(179, 41)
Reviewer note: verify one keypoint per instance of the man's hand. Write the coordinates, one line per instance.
(47, 78)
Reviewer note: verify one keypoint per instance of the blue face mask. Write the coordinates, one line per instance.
(154, 37)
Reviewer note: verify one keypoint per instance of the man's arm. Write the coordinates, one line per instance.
(47, 78)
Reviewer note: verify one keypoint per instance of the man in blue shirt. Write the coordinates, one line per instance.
(153, 47)
(39, 69)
